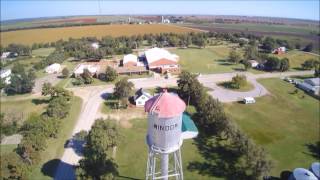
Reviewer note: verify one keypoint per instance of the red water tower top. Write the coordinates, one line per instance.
(166, 105)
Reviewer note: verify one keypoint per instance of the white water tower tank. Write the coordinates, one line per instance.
(164, 121)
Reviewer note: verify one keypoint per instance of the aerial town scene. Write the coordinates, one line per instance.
(185, 90)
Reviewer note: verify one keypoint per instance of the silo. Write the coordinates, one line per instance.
(164, 125)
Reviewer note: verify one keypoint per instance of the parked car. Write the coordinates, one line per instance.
(249, 100)
(288, 80)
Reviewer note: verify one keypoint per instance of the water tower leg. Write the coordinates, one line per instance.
(164, 165)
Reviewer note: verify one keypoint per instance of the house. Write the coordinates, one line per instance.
(5, 55)
(95, 45)
(249, 100)
(311, 85)
(141, 97)
(53, 68)
(161, 60)
(279, 50)
(93, 69)
(5, 74)
(253, 63)
(131, 60)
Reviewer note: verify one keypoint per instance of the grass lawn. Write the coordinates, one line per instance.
(245, 88)
(21, 109)
(296, 58)
(131, 154)
(7, 148)
(283, 123)
(42, 51)
(55, 147)
(207, 60)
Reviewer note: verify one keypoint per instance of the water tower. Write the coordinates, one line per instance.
(166, 132)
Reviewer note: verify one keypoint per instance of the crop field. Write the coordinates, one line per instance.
(53, 34)
(285, 124)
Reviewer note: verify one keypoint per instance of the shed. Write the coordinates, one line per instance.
(141, 97)
(53, 68)
(253, 63)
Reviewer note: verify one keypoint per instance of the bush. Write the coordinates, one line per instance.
(238, 81)
(65, 72)
(111, 74)
(78, 81)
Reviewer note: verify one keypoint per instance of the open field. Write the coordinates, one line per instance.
(283, 123)
(42, 51)
(296, 58)
(21, 110)
(7, 148)
(131, 155)
(206, 60)
(55, 147)
(53, 34)
(292, 34)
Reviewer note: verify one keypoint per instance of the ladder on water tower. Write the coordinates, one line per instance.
(175, 170)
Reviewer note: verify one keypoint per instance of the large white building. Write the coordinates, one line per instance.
(131, 60)
(93, 69)
(162, 60)
(53, 68)
(5, 74)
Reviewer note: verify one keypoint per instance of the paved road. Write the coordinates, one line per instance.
(93, 97)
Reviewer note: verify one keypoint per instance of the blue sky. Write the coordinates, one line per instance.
(12, 9)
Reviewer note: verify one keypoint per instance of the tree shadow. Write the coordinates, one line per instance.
(314, 149)
(106, 96)
(239, 69)
(76, 145)
(299, 69)
(40, 101)
(49, 168)
(159, 89)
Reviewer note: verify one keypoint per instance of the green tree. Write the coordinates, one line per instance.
(87, 77)
(238, 81)
(97, 163)
(234, 56)
(308, 48)
(21, 82)
(246, 64)
(12, 167)
(65, 72)
(111, 74)
(123, 89)
(284, 64)
(251, 52)
(310, 63)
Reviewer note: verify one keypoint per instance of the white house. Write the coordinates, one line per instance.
(279, 50)
(141, 97)
(53, 68)
(311, 85)
(5, 55)
(162, 60)
(6, 75)
(95, 45)
(93, 69)
(253, 63)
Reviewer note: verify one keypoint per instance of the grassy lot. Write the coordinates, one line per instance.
(53, 34)
(206, 60)
(21, 110)
(244, 88)
(296, 58)
(132, 153)
(283, 123)
(7, 148)
(42, 52)
(55, 147)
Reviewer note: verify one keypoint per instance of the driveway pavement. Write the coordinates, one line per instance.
(93, 97)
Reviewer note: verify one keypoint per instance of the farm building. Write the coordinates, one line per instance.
(131, 70)
(311, 85)
(141, 97)
(131, 60)
(93, 69)
(161, 60)
(253, 63)
(53, 68)
(279, 50)
(5, 55)
(95, 45)
(6, 75)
